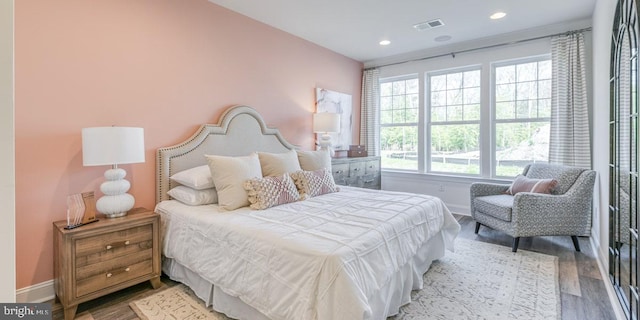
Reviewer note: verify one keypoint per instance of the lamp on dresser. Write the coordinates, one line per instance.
(323, 124)
(113, 146)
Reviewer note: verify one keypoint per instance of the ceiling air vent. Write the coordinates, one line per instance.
(428, 24)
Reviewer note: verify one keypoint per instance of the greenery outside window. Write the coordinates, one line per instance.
(399, 110)
(467, 122)
(454, 122)
(522, 111)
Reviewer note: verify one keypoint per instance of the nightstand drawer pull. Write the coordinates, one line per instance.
(110, 274)
(118, 244)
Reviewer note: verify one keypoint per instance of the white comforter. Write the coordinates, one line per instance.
(322, 258)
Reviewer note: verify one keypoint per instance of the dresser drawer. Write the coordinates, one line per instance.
(356, 169)
(357, 172)
(340, 173)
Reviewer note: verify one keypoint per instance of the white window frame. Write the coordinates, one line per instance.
(487, 161)
(419, 125)
(427, 103)
(493, 113)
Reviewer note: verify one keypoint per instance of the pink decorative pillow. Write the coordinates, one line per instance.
(271, 191)
(524, 184)
(314, 183)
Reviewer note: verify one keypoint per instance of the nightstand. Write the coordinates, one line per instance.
(361, 172)
(105, 256)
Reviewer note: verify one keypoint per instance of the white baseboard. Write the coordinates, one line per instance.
(602, 262)
(37, 293)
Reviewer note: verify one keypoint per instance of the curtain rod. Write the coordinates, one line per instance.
(453, 53)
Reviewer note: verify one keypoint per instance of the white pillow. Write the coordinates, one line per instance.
(198, 178)
(194, 197)
(229, 174)
(314, 160)
(271, 191)
(277, 164)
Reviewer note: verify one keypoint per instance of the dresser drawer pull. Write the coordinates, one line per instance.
(117, 244)
(339, 171)
(110, 274)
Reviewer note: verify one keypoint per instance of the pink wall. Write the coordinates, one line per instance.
(164, 65)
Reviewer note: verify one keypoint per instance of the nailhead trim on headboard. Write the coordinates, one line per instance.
(190, 153)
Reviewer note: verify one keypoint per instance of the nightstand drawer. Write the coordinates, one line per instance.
(107, 266)
(119, 242)
(113, 276)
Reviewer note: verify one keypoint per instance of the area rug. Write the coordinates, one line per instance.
(486, 281)
(477, 281)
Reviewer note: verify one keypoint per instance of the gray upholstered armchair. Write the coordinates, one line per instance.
(564, 212)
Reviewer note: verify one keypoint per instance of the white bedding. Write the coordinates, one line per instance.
(323, 258)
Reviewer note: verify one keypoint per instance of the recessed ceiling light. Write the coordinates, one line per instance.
(385, 42)
(442, 38)
(497, 15)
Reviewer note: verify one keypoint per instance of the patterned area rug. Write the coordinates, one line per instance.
(478, 281)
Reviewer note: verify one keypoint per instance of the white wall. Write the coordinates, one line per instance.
(603, 16)
(7, 154)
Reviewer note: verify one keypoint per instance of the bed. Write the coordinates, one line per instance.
(352, 254)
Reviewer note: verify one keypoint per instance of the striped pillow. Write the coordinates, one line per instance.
(524, 184)
(271, 191)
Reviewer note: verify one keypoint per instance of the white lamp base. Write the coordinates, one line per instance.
(116, 201)
(325, 144)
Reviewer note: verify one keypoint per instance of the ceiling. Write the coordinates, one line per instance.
(354, 28)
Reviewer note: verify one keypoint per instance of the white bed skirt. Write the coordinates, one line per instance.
(387, 301)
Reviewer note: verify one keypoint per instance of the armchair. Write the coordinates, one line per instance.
(564, 212)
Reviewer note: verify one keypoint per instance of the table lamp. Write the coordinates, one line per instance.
(325, 123)
(113, 146)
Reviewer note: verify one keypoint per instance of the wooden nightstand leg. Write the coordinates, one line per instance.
(70, 312)
(155, 282)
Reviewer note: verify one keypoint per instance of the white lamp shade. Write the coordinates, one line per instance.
(326, 122)
(112, 146)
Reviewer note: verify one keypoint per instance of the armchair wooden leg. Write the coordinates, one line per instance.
(516, 242)
(576, 244)
(477, 227)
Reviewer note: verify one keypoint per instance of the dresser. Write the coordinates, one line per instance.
(361, 172)
(105, 256)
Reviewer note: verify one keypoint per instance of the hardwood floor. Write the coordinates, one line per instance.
(583, 292)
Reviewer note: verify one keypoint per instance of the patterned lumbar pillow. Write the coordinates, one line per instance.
(314, 183)
(524, 184)
(271, 191)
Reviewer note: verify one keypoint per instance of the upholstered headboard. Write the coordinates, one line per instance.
(240, 131)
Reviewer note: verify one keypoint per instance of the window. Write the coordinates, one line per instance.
(454, 124)
(487, 124)
(522, 109)
(399, 106)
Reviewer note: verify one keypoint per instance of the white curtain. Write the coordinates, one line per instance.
(569, 143)
(370, 112)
